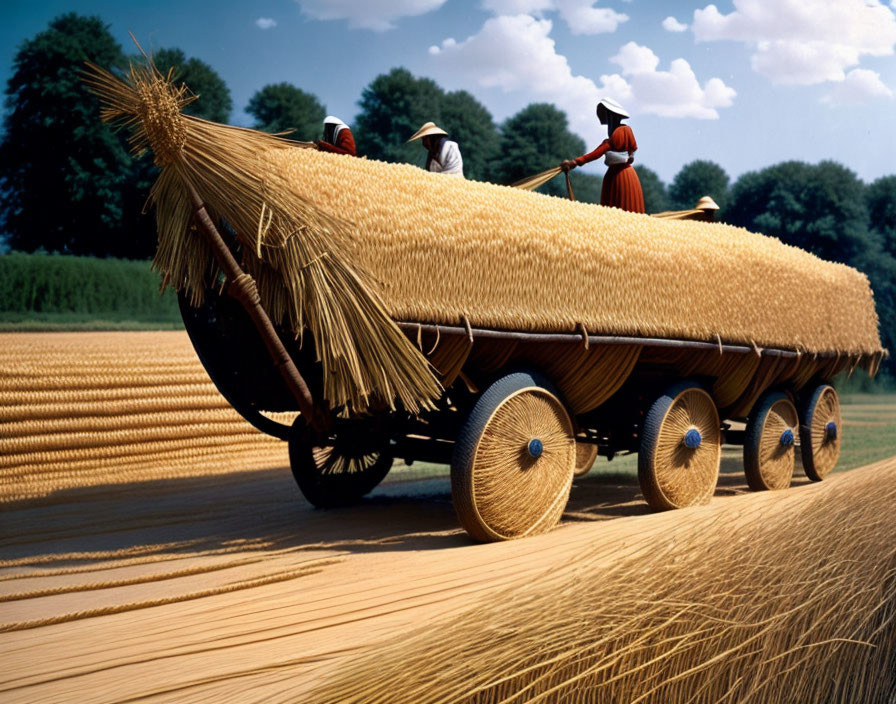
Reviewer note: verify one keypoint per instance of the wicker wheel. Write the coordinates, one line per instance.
(513, 461)
(769, 453)
(586, 453)
(341, 473)
(821, 433)
(678, 461)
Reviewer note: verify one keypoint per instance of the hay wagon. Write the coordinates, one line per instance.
(516, 423)
(412, 316)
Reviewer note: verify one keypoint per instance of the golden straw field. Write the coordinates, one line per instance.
(155, 547)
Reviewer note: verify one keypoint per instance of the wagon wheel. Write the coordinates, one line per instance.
(354, 461)
(514, 460)
(821, 433)
(678, 461)
(769, 453)
(586, 453)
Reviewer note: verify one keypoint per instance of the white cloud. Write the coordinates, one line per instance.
(265, 23)
(672, 93)
(519, 7)
(802, 41)
(583, 18)
(580, 15)
(376, 15)
(670, 24)
(859, 86)
(517, 54)
(633, 58)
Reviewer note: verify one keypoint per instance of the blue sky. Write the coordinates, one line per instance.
(744, 83)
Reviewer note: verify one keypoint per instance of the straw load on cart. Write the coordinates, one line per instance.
(416, 316)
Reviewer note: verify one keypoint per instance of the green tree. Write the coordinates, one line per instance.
(213, 101)
(819, 208)
(396, 104)
(393, 107)
(656, 198)
(280, 107)
(695, 180)
(469, 124)
(880, 268)
(585, 186)
(61, 170)
(534, 140)
(881, 200)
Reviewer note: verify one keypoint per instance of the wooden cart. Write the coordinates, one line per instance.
(515, 435)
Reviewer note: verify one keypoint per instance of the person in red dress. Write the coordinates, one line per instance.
(621, 187)
(338, 137)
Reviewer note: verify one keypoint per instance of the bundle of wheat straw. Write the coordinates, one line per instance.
(530, 183)
(295, 251)
(450, 250)
(791, 599)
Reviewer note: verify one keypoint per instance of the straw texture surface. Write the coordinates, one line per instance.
(510, 259)
(88, 409)
(673, 474)
(501, 490)
(769, 462)
(342, 246)
(295, 251)
(820, 448)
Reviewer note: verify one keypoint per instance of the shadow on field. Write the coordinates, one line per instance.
(263, 510)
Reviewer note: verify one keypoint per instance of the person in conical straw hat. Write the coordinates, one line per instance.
(443, 155)
(338, 137)
(709, 208)
(621, 187)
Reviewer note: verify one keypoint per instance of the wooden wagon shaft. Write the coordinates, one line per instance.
(578, 337)
(242, 287)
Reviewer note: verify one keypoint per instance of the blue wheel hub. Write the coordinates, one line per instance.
(692, 439)
(535, 448)
(787, 438)
(830, 431)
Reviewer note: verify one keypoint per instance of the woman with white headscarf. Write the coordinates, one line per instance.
(338, 137)
(621, 187)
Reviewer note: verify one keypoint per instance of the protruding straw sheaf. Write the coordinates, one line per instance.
(295, 250)
(159, 113)
(148, 104)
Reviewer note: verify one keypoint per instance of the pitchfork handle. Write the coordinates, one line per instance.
(242, 287)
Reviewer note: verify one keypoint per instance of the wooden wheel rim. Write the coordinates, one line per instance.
(820, 450)
(768, 461)
(586, 453)
(342, 471)
(511, 493)
(674, 475)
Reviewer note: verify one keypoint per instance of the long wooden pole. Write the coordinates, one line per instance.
(242, 287)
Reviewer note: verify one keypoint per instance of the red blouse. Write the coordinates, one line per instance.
(345, 143)
(622, 140)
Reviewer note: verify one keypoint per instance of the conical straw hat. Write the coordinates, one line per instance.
(706, 203)
(428, 129)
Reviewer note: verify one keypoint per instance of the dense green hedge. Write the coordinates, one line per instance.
(53, 286)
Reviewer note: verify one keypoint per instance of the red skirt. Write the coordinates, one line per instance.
(622, 189)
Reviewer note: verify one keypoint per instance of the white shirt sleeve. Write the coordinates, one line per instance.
(449, 161)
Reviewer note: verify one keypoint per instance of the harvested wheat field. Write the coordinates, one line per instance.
(84, 409)
(208, 578)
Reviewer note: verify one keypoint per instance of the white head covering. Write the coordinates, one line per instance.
(612, 106)
(338, 126)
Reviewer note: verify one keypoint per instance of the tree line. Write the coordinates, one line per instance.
(68, 183)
